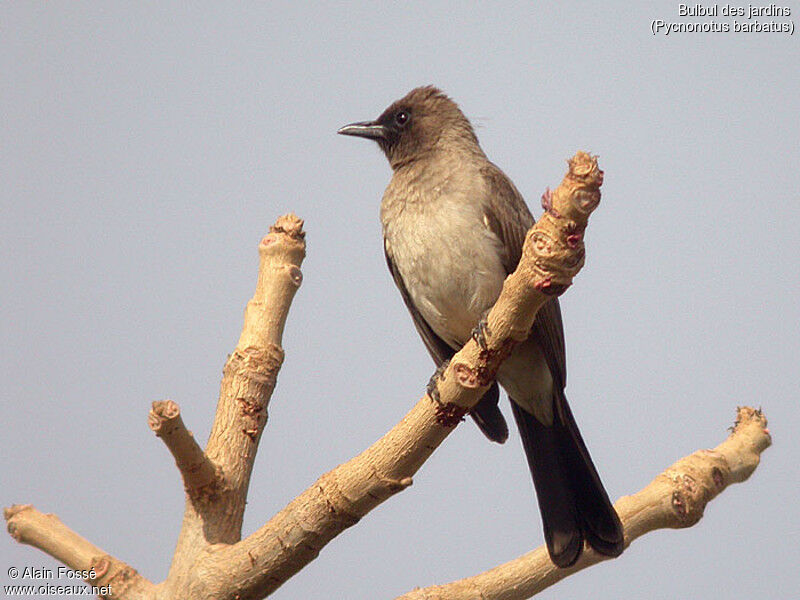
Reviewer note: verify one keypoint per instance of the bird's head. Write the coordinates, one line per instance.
(421, 122)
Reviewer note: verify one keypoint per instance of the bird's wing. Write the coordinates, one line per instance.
(438, 348)
(485, 413)
(508, 217)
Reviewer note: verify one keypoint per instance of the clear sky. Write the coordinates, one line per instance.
(146, 148)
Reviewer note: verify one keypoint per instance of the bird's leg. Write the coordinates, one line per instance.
(433, 387)
(481, 331)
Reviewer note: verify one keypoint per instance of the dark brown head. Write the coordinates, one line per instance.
(423, 121)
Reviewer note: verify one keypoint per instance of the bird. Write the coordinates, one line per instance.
(453, 228)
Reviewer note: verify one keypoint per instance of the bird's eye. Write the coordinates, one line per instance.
(401, 118)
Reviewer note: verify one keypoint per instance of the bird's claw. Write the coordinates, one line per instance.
(481, 331)
(433, 384)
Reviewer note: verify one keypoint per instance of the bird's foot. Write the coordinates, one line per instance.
(481, 331)
(433, 384)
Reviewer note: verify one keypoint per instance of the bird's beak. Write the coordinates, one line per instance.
(365, 129)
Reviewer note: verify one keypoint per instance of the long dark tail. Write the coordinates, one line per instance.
(573, 502)
(488, 416)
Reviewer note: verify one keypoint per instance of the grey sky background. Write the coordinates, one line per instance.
(147, 148)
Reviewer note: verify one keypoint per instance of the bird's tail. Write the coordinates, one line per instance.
(573, 502)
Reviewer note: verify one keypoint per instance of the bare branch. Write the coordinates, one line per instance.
(247, 384)
(47, 533)
(216, 480)
(198, 472)
(553, 253)
(675, 499)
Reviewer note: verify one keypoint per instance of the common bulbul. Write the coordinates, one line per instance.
(453, 229)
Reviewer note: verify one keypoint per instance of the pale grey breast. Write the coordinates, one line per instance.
(448, 258)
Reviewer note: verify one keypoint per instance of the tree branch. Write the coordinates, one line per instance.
(115, 578)
(247, 384)
(200, 477)
(674, 499)
(553, 253)
(216, 480)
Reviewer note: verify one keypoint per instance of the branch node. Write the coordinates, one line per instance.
(250, 407)
(251, 433)
(556, 243)
(296, 275)
(719, 478)
(466, 375)
(122, 580)
(9, 513)
(100, 566)
(393, 485)
(339, 505)
(259, 365)
(291, 225)
(490, 359)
